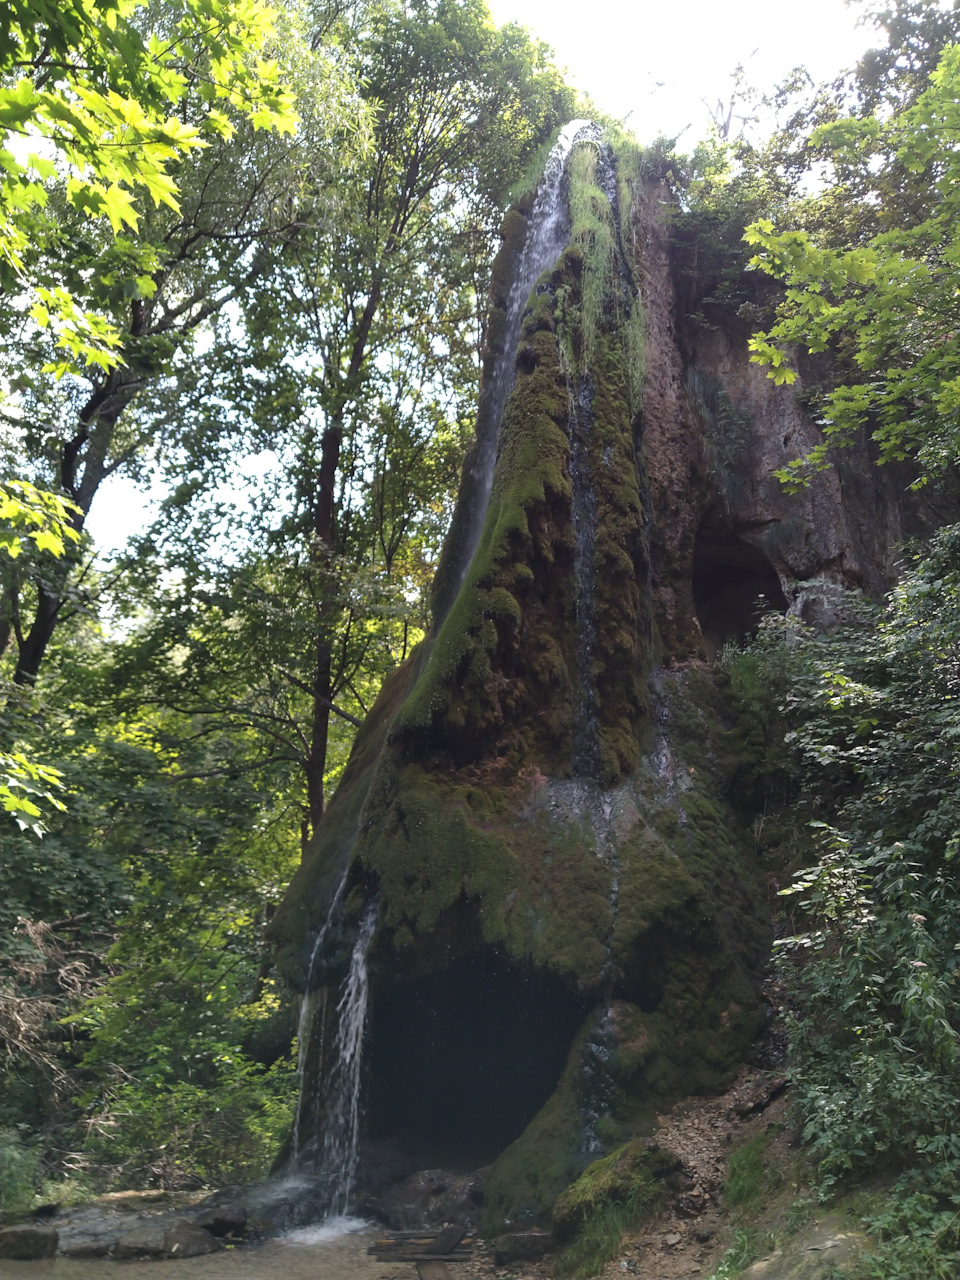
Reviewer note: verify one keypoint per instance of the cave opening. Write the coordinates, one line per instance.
(462, 1059)
(734, 584)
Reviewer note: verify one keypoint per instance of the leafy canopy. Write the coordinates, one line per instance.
(871, 270)
(91, 90)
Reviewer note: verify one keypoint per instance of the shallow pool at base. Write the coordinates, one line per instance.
(334, 1250)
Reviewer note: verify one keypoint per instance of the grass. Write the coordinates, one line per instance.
(612, 1196)
(749, 1173)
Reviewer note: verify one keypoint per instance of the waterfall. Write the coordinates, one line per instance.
(548, 230)
(308, 1019)
(338, 1155)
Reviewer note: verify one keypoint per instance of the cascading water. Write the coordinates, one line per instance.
(309, 1021)
(548, 230)
(338, 1155)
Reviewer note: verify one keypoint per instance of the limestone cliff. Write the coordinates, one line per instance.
(545, 805)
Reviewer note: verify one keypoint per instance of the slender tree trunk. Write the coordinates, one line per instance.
(325, 532)
(319, 734)
(37, 639)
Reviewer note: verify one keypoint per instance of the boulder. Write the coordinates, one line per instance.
(88, 1248)
(185, 1239)
(432, 1198)
(223, 1219)
(144, 1241)
(28, 1241)
(521, 1246)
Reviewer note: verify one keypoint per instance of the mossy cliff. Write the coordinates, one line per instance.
(545, 798)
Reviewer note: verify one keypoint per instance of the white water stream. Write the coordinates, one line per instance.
(338, 1156)
(308, 1012)
(547, 230)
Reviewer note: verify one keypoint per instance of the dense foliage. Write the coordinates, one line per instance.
(860, 230)
(246, 267)
(869, 262)
(872, 717)
(251, 265)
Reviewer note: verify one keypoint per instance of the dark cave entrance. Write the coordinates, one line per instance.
(734, 584)
(462, 1059)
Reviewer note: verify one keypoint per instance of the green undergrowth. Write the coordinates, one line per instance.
(613, 1195)
(917, 1227)
(769, 1199)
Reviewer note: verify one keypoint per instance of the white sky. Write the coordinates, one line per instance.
(666, 64)
(660, 60)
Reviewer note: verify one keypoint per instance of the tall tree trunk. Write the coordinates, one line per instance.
(323, 502)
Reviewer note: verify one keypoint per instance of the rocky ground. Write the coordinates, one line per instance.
(688, 1238)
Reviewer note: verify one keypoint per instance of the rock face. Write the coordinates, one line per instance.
(28, 1242)
(547, 807)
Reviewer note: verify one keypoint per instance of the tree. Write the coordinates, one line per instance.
(876, 286)
(102, 84)
(187, 260)
(31, 522)
(359, 365)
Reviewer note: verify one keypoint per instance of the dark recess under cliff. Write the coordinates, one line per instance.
(462, 1059)
(734, 584)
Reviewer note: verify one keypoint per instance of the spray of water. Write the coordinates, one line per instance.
(338, 1160)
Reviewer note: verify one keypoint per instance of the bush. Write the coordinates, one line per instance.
(19, 1165)
(180, 1135)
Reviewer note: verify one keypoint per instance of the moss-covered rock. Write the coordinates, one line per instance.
(533, 786)
(613, 1195)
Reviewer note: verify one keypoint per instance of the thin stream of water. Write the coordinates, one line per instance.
(308, 1010)
(548, 229)
(338, 1159)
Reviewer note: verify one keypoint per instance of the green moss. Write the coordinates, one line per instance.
(305, 904)
(613, 1195)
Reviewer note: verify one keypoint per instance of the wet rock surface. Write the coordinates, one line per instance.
(187, 1240)
(224, 1219)
(130, 1225)
(28, 1241)
(431, 1198)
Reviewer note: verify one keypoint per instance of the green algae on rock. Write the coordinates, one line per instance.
(613, 1195)
(553, 801)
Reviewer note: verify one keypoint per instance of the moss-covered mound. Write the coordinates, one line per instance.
(613, 1195)
(544, 809)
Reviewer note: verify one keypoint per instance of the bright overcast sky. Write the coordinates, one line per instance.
(660, 61)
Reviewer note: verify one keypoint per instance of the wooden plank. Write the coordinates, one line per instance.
(447, 1240)
(434, 1269)
(413, 1255)
(418, 1246)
